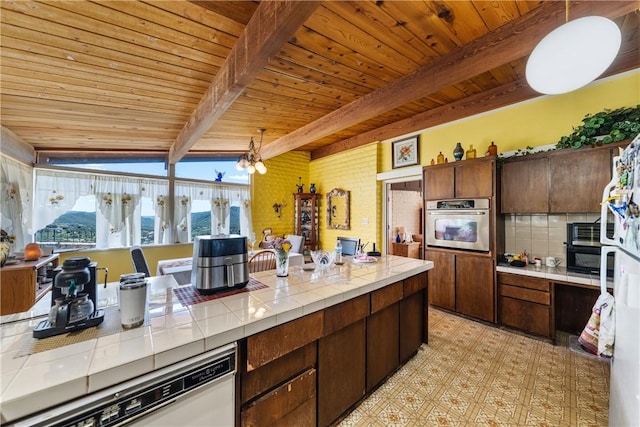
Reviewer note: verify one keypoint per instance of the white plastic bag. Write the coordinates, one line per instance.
(598, 335)
(607, 324)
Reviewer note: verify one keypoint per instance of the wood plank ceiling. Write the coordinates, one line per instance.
(144, 76)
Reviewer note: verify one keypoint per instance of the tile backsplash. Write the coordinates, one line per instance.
(541, 235)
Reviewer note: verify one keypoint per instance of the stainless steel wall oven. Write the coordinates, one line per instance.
(458, 224)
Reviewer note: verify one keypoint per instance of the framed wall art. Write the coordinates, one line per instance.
(405, 152)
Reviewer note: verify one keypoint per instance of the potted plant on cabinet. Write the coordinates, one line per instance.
(603, 128)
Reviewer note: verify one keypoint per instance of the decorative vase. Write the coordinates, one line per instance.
(471, 152)
(312, 188)
(282, 263)
(458, 152)
(493, 149)
(440, 158)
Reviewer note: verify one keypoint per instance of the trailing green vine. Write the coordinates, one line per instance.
(603, 128)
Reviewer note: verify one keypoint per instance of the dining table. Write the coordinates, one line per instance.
(180, 268)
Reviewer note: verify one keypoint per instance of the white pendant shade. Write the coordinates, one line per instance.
(573, 55)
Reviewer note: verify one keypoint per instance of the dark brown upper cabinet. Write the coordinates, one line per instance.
(458, 180)
(561, 181)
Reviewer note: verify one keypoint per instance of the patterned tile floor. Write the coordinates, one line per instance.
(471, 374)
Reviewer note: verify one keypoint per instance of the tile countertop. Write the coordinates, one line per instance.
(173, 332)
(555, 273)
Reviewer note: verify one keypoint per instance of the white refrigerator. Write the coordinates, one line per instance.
(622, 199)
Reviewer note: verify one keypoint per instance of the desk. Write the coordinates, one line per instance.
(411, 250)
(180, 268)
(21, 287)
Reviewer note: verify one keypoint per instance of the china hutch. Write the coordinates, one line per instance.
(306, 219)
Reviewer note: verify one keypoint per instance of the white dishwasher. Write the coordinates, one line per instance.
(199, 391)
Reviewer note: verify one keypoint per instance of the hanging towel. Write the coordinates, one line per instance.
(597, 336)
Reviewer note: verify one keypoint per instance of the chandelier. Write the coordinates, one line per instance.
(251, 160)
(573, 55)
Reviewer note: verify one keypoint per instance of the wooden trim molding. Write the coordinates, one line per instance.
(13, 146)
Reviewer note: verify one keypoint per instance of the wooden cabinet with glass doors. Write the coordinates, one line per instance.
(306, 219)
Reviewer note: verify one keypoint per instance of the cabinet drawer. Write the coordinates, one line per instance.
(524, 281)
(273, 343)
(414, 284)
(386, 296)
(346, 313)
(272, 408)
(525, 294)
(266, 377)
(526, 316)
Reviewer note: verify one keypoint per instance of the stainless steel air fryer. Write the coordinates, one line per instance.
(219, 263)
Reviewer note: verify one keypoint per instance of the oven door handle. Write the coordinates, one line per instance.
(458, 213)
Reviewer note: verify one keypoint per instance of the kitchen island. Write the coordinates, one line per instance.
(174, 332)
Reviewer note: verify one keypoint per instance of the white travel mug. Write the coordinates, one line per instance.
(133, 301)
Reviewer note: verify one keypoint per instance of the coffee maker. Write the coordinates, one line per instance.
(73, 299)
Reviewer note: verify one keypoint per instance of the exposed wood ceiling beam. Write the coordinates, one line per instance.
(509, 42)
(15, 147)
(270, 27)
(507, 94)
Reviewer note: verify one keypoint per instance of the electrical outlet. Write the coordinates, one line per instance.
(365, 221)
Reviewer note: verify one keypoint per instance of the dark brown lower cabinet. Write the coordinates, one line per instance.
(475, 291)
(412, 325)
(341, 371)
(291, 404)
(525, 303)
(442, 279)
(313, 369)
(382, 344)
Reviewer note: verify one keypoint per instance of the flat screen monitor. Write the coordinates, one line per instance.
(349, 245)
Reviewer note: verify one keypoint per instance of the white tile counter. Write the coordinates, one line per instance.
(556, 273)
(173, 332)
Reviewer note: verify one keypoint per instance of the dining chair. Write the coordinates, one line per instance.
(262, 260)
(297, 243)
(139, 261)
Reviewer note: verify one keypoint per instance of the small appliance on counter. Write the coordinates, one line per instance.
(219, 263)
(71, 308)
(584, 247)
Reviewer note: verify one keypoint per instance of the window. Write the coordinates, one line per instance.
(78, 210)
(224, 169)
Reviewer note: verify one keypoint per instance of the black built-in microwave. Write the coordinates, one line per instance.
(583, 248)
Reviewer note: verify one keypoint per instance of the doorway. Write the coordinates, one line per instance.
(404, 213)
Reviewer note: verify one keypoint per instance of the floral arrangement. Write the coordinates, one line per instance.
(12, 192)
(281, 244)
(108, 199)
(161, 201)
(55, 198)
(126, 198)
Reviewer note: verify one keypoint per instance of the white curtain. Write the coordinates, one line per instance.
(221, 197)
(118, 207)
(161, 227)
(56, 192)
(16, 181)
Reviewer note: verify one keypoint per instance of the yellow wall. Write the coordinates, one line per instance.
(536, 122)
(354, 171)
(278, 186)
(118, 261)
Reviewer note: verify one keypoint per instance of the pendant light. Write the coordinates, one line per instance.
(251, 160)
(573, 55)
